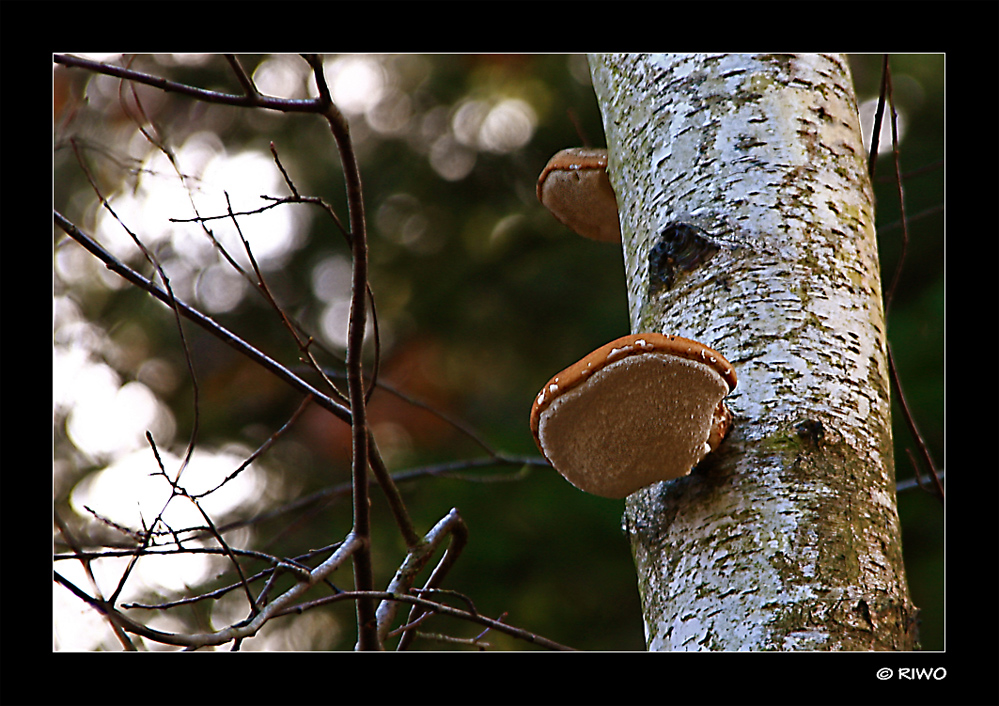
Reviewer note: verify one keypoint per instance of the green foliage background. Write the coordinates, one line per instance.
(478, 309)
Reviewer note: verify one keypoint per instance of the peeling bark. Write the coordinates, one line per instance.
(749, 172)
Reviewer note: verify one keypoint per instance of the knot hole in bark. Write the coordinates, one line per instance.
(680, 247)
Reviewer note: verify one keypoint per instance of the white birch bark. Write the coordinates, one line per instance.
(787, 537)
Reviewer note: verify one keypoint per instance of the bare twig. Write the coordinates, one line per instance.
(367, 628)
(886, 96)
(244, 79)
(451, 469)
(294, 565)
(262, 449)
(900, 265)
(251, 100)
(205, 322)
(451, 525)
(178, 489)
(872, 159)
(913, 429)
(170, 300)
(85, 561)
(279, 606)
(435, 607)
(451, 639)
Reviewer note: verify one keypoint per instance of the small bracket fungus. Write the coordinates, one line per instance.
(641, 409)
(575, 188)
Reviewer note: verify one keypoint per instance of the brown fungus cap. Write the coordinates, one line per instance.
(641, 409)
(575, 188)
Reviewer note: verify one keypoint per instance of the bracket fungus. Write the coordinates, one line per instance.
(575, 188)
(641, 409)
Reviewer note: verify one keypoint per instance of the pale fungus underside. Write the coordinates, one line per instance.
(641, 409)
(574, 187)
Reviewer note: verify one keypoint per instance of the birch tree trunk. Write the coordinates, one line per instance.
(787, 537)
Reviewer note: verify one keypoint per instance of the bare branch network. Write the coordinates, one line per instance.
(376, 610)
(267, 582)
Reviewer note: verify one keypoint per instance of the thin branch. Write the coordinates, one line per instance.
(453, 422)
(367, 627)
(262, 449)
(452, 640)
(171, 301)
(178, 489)
(435, 607)
(293, 564)
(926, 212)
(253, 100)
(918, 171)
(886, 95)
(387, 483)
(872, 159)
(911, 423)
(279, 606)
(244, 79)
(205, 322)
(459, 538)
(450, 469)
(451, 525)
(899, 266)
(85, 561)
(917, 480)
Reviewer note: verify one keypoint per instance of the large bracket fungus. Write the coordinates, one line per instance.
(641, 409)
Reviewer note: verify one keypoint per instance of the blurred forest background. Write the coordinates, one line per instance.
(481, 296)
